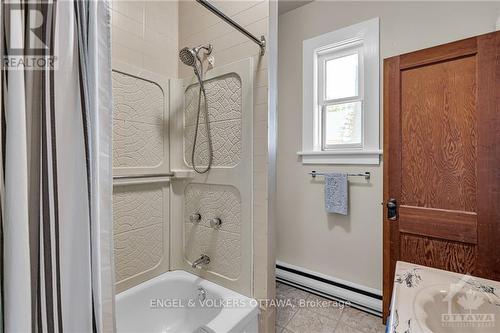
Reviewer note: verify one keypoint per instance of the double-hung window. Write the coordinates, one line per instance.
(341, 96)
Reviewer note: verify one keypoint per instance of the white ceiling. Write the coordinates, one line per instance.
(288, 5)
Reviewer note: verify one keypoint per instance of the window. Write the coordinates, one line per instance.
(341, 96)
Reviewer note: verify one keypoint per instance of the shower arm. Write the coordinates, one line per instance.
(261, 42)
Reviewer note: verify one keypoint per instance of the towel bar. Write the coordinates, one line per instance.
(366, 174)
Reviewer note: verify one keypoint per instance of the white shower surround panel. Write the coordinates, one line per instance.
(214, 201)
(225, 110)
(140, 121)
(223, 248)
(141, 232)
(137, 99)
(136, 144)
(141, 208)
(223, 96)
(137, 252)
(227, 190)
(226, 143)
(137, 207)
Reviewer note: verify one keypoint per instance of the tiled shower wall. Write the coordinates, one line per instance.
(144, 37)
(199, 26)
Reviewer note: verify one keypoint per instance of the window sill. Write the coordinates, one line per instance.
(341, 157)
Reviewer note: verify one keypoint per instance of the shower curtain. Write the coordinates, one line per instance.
(56, 172)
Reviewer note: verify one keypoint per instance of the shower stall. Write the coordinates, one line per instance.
(190, 162)
(135, 171)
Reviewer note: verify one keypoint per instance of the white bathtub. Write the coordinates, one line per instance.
(172, 302)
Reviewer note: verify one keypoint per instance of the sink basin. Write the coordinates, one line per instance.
(456, 309)
(432, 300)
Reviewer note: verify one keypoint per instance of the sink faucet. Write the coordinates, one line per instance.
(203, 260)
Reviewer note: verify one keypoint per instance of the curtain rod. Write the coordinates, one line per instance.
(261, 42)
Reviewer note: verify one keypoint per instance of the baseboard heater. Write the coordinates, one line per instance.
(361, 297)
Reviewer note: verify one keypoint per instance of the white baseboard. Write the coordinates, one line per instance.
(359, 296)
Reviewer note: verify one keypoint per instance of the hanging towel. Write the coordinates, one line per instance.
(336, 193)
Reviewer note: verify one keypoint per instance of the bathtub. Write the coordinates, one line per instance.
(180, 302)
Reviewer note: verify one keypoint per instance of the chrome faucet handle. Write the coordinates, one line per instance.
(216, 223)
(195, 218)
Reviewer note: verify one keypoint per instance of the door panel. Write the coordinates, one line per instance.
(451, 256)
(442, 158)
(438, 135)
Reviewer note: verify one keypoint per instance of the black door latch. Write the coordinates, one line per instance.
(392, 209)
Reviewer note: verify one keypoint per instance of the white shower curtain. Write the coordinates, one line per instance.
(56, 181)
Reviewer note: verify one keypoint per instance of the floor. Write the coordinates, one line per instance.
(303, 312)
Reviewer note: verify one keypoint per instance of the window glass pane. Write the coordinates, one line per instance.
(342, 77)
(343, 124)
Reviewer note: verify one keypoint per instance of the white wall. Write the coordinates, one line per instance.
(349, 248)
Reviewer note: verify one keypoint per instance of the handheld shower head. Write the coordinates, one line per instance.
(188, 56)
(191, 57)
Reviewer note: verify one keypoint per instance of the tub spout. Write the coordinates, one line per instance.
(201, 261)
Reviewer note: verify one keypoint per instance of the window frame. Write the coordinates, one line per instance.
(363, 39)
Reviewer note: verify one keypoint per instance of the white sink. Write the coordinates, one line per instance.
(432, 300)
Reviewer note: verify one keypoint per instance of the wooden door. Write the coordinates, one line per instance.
(442, 158)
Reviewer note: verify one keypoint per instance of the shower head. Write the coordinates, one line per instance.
(191, 57)
(188, 56)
